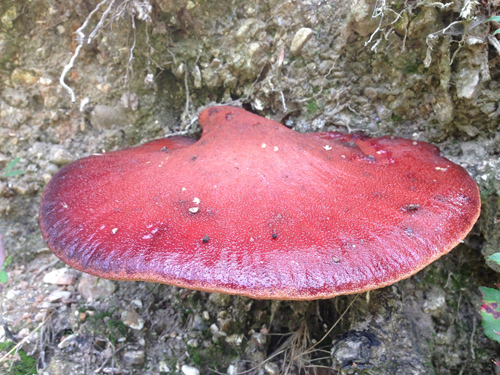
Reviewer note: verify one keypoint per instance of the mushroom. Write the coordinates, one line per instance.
(256, 209)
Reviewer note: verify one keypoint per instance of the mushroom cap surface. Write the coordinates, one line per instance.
(256, 209)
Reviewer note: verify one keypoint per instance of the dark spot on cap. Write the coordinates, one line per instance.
(275, 235)
(230, 116)
(193, 158)
(205, 238)
(351, 144)
(212, 111)
(164, 149)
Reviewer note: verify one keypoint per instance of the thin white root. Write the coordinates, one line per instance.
(283, 102)
(81, 41)
(101, 22)
(186, 85)
(131, 55)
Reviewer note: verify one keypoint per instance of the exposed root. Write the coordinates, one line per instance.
(81, 41)
(130, 68)
(135, 8)
(298, 349)
(432, 40)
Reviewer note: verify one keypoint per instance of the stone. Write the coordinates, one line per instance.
(134, 357)
(235, 339)
(92, 288)
(59, 365)
(423, 23)
(444, 108)
(58, 295)
(199, 324)
(271, 368)
(189, 370)
(22, 77)
(388, 331)
(211, 77)
(196, 77)
(219, 299)
(130, 100)
(59, 155)
(67, 341)
(181, 69)
(300, 39)
(361, 12)
(163, 367)
(106, 117)
(435, 304)
(61, 276)
(8, 17)
(467, 81)
(132, 319)
(244, 29)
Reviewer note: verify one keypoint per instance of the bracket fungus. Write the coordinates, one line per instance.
(256, 209)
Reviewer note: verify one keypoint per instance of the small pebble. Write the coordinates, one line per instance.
(67, 341)
(134, 357)
(190, 370)
(300, 39)
(61, 276)
(58, 295)
(271, 368)
(232, 370)
(93, 288)
(132, 319)
(163, 367)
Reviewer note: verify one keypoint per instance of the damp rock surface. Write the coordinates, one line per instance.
(349, 76)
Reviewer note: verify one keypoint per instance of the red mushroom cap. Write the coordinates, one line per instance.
(256, 209)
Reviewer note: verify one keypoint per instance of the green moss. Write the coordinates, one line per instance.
(411, 67)
(397, 119)
(216, 356)
(25, 366)
(113, 328)
(312, 107)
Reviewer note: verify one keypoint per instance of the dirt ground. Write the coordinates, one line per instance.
(140, 70)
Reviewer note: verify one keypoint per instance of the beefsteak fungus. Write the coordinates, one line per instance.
(256, 209)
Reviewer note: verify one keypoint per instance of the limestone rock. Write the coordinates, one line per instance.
(300, 39)
(93, 288)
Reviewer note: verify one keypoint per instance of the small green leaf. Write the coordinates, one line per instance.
(12, 164)
(8, 171)
(495, 258)
(494, 19)
(496, 32)
(490, 312)
(14, 173)
(6, 263)
(3, 277)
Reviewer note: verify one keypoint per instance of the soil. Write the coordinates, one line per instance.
(313, 65)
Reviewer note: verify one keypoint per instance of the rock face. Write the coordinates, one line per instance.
(362, 68)
(385, 338)
(92, 288)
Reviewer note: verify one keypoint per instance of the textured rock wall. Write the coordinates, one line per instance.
(423, 70)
